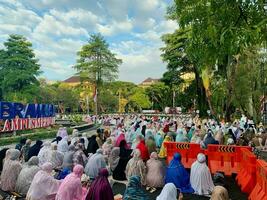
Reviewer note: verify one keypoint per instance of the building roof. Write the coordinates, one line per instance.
(73, 79)
(149, 80)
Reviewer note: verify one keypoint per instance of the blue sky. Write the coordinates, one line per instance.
(58, 29)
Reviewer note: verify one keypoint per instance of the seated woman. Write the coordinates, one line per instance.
(94, 164)
(125, 153)
(107, 147)
(210, 139)
(43, 186)
(55, 157)
(26, 175)
(117, 164)
(134, 190)
(11, 170)
(155, 172)
(71, 187)
(136, 167)
(44, 153)
(163, 153)
(68, 158)
(79, 158)
(151, 144)
(100, 189)
(200, 176)
(177, 175)
(169, 192)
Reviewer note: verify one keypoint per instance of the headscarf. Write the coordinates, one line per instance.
(68, 158)
(100, 189)
(134, 190)
(92, 144)
(200, 176)
(210, 139)
(219, 193)
(55, 157)
(124, 152)
(114, 158)
(56, 140)
(155, 171)
(177, 174)
(136, 167)
(63, 146)
(163, 153)
(43, 186)
(94, 164)
(107, 147)
(71, 187)
(11, 170)
(169, 192)
(119, 139)
(25, 150)
(151, 144)
(26, 175)
(159, 139)
(143, 149)
(35, 149)
(180, 136)
(43, 155)
(21, 144)
(62, 132)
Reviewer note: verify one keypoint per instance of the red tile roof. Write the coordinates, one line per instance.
(73, 79)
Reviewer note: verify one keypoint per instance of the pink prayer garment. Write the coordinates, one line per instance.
(71, 187)
(44, 186)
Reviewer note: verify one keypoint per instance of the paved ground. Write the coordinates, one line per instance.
(234, 192)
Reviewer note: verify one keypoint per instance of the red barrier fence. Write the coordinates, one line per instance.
(260, 190)
(224, 158)
(246, 177)
(251, 173)
(188, 152)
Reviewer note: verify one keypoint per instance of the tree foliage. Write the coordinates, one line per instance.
(18, 70)
(97, 63)
(219, 35)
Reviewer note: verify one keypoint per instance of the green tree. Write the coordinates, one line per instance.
(18, 70)
(97, 63)
(160, 95)
(138, 100)
(179, 63)
(220, 32)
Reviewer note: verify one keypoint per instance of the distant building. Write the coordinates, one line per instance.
(73, 81)
(148, 82)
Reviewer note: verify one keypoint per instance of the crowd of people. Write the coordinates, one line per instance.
(129, 149)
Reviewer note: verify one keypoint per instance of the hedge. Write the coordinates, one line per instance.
(33, 136)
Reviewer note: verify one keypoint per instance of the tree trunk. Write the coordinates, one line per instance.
(230, 87)
(202, 103)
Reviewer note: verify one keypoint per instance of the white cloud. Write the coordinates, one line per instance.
(77, 17)
(115, 27)
(18, 16)
(49, 25)
(139, 67)
(12, 29)
(59, 28)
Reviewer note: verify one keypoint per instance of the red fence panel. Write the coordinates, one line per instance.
(260, 190)
(224, 158)
(246, 177)
(188, 152)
